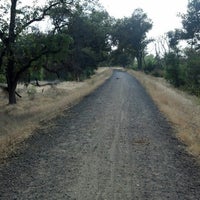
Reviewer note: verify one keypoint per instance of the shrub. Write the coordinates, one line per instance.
(31, 92)
(172, 69)
(2, 78)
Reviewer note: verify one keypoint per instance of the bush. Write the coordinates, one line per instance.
(172, 69)
(193, 68)
(2, 78)
(150, 63)
(153, 66)
(31, 92)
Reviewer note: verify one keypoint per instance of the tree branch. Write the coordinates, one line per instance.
(37, 19)
(42, 15)
(52, 70)
(25, 67)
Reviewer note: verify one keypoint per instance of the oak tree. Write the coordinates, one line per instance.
(17, 20)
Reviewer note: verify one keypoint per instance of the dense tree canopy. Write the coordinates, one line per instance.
(19, 49)
(130, 36)
(191, 23)
(80, 38)
(25, 48)
(90, 45)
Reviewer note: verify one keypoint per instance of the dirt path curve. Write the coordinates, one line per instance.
(114, 145)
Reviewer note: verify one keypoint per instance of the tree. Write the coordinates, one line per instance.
(90, 34)
(130, 35)
(173, 40)
(191, 23)
(172, 69)
(191, 33)
(143, 23)
(15, 21)
(182, 66)
(192, 71)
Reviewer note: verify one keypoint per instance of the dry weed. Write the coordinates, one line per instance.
(18, 122)
(180, 108)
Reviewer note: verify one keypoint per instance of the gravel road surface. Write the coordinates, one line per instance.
(113, 145)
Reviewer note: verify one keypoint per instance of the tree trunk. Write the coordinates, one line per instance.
(12, 85)
(12, 96)
(10, 74)
(139, 61)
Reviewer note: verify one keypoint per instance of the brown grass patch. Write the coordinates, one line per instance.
(17, 122)
(181, 109)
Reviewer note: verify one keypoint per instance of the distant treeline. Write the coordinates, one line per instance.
(82, 36)
(180, 66)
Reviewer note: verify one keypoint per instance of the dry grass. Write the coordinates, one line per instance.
(180, 108)
(18, 122)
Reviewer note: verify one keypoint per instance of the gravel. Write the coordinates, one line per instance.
(113, 145)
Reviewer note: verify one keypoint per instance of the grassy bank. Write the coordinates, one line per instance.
(38, 104)
(180, 108)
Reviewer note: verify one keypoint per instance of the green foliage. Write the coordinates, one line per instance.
(193, 67)
(2, 78)
(20, 50)
(182, 68)
(152, 66)
(90, 32)
(172, 69)
(190, 20)
(31, 92)
(129, 35)
(184, 72)
(123, 59)
(192, 75)
(150, 63)
(36, 73)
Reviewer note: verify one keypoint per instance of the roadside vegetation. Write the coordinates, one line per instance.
(73, 46)
(35, 63)
(80, 37)
(176, 85)
(179, 66)
(40, 104)
(180, 108)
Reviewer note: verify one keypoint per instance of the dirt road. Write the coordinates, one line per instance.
(114, 145)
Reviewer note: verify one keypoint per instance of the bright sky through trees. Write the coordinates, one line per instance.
(162, 12)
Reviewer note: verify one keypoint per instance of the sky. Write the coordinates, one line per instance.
(163, 13)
